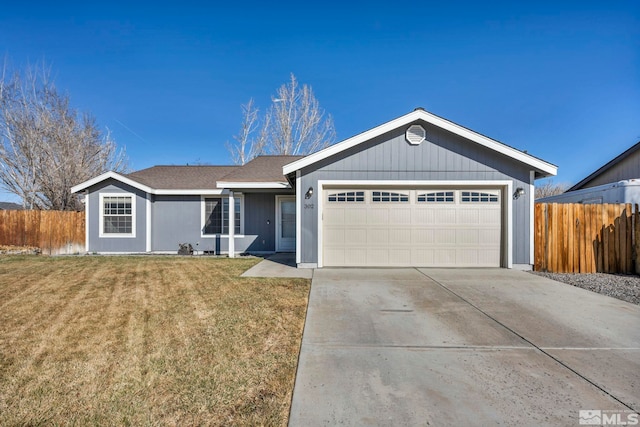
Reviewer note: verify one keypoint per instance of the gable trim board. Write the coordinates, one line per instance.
(506, 207)
(546, 169)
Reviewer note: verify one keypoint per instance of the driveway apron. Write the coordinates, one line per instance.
(462, 346)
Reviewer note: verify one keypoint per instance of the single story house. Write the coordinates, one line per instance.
(617, 181)
(418, 190)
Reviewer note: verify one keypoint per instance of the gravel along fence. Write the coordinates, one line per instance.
(622, 286)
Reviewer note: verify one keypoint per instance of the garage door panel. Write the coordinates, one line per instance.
(378, 236)
(422, 236)
(445, 216)
(399, 236)
(467, 236)
(399, 216)
(356, 236)
(334, 217)
(415, 233)
(355, 256)
(335, 235)
(353, 215)
(400, 256)
(377, 216)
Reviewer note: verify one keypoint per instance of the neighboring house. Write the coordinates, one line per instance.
(10, 206)
(416, 191)
(618, 181)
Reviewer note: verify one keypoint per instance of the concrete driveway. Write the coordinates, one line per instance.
(462, 347)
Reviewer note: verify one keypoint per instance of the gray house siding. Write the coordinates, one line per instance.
(443, 156)
(177, 219)
(116, 244)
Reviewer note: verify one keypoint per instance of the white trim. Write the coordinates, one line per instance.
(106, 176)
(232, 224)
(101, 232)
(279, 199)
(505, 185)
(201, 192)
(148, 224)
(86, 221)
(532, 202)
(277, 185)
(546, 168)
(142, 187)
(298, 217)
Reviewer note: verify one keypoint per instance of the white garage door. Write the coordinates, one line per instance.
(422, 228)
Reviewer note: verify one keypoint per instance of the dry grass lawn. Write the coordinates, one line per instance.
(146, 341)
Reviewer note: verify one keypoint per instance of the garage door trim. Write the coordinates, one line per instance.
(504, 185)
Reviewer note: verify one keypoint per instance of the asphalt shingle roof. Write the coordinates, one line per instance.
(260, 169)
(181, 177)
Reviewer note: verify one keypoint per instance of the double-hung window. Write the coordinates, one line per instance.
(216, 215)
(117, 215)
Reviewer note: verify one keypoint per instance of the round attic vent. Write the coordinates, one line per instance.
(415, 134)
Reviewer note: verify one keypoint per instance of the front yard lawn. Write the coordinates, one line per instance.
(146, 341)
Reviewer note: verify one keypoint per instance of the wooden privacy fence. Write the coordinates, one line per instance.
(54, 232)
(579, 238)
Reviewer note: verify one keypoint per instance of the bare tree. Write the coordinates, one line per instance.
(293, 124)
(549, 188)
(248, 146)
(46, 147)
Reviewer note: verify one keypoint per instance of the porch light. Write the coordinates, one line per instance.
(519, 192)
(309, 193)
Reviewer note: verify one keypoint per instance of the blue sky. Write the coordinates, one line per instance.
(559, 79)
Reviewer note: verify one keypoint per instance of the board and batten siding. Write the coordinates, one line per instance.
(442, 157)
(177, 219)
(116, 244)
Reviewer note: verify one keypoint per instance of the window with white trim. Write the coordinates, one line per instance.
(216, 215)
(117, 215)
(436, 197)
(478, 197)
(385, 196)
(348, 196)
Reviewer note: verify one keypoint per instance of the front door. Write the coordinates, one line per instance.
(285, 224)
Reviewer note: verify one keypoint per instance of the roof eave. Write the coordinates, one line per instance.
(257, 185)
(110, 175)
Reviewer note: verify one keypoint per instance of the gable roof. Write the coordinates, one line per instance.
(607, 166)
(261, 172)
(541, 167)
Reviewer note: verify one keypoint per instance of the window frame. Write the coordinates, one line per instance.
(390, 195)
(359, 196)
(101, 232)
(480, 194)
(203, 217)
(436, 194)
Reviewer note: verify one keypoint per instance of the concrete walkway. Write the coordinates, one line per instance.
(462, 347)
(279, 265)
